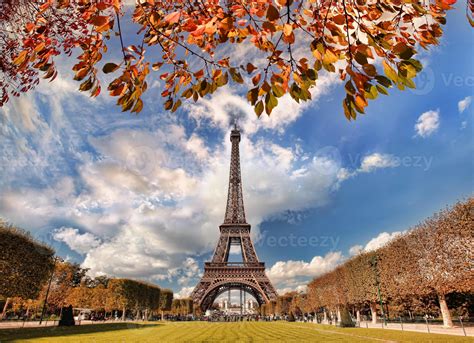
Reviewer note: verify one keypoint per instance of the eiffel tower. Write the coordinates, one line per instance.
(220, 275)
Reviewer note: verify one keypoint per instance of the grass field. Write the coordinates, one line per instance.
(218, 332)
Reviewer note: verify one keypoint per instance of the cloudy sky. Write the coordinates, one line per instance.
(143, 196)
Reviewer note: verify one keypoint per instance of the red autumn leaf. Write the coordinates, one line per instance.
(173, 17)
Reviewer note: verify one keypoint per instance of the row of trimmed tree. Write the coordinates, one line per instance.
(137, 298)
(182, 307)
(432, 261)
(29, 271)
(290, 305)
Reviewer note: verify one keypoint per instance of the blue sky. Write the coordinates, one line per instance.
(142, 196)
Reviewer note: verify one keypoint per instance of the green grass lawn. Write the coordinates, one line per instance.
(218, 332)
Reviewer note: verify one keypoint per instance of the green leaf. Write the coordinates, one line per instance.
(259, 108)
(381, 90)
(348, 109)
(278, 90)
(236, 75)
(312, 74)
(187, 93)
(222, 80)
(384, 81)
(270, 102)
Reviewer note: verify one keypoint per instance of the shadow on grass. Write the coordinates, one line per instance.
(54, 331)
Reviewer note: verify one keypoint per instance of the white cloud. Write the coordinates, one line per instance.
(225, 105)
(381, 240)
(464, 104)
(79, 242)
(356, 249)
(292, 273)
(189, 271)
(144, 198)
(376, 161)
(427, 123)
(157, 196)
(377, 242)
(185, 292)
(299, 289)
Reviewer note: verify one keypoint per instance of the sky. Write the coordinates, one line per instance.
(143, 196)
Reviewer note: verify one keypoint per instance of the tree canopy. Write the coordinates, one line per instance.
(435, 258)
(284, 45)
(25, 264)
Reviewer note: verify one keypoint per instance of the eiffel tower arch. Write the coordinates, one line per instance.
(220, 275)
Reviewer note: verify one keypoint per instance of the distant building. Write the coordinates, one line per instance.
(248, 307)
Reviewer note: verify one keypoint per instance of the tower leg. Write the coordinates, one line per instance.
(240, 301)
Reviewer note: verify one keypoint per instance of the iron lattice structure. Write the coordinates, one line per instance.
(220, 275)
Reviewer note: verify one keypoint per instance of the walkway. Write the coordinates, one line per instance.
(11, 324)
(419, 327)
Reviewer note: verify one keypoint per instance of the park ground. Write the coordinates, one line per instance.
(218, 332)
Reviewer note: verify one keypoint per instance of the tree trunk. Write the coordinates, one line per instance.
(5, 307)
(373, 312)
(345, 319)
(123, 314)
(338, 314)
(447, 321)
(325, 317)
(358, 316)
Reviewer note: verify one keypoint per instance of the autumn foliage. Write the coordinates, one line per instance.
(29, 271)
(25, 264)
(182, 306)
(272, 47)
(432, 260)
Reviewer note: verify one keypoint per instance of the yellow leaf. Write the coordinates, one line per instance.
(287, 29)
(389, 71)
(360, 101)
(329, 57)
(20, 58)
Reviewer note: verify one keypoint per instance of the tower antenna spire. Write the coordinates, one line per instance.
(235, 213)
